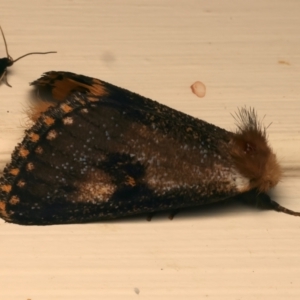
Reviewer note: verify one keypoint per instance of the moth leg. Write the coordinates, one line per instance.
(4, 78)
(173, 213)
(150, 216)
(171, 216)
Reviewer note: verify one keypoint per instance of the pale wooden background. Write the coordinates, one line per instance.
(246, 53)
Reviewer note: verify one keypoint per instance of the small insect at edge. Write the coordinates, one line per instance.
(9, 61)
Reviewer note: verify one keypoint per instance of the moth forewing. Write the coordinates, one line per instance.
(97, 151)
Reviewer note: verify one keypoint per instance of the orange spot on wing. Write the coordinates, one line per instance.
(23, 152)
(33, 137)
(49, 121)
(66, 108)
(63, 88)
(6, 188)
(36, 110)
(3, 212)
(14, 172)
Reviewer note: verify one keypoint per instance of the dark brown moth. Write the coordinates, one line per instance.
(8, 61)
(97, 151)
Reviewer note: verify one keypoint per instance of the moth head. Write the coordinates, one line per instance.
(251, 153)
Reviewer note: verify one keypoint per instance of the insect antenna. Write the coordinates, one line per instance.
(30, 53)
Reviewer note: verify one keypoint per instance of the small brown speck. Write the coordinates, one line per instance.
(39, 150)
(284, 62)
(199, 89)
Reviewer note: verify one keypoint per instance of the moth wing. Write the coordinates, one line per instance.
(107, 152)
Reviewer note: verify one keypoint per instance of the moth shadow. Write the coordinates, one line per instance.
(240, 204)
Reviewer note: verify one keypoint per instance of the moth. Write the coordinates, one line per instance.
(97, 151)
(8, 61)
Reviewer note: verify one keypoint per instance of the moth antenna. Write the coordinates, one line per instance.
(247, 119)
(30, 53)
(8, 56)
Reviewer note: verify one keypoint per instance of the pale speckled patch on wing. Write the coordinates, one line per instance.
(97, 186)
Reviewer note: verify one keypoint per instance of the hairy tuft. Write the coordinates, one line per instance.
(252, 155)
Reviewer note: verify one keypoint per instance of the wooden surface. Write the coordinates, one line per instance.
(246, 53)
